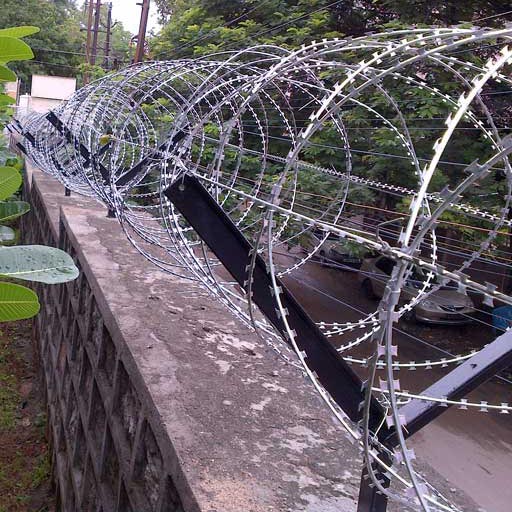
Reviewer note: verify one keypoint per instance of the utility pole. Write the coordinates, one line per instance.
(88, 43)
(106, 60)
(141, 38)
(95, 32)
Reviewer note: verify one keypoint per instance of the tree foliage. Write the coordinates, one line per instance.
(193, 28)
(54, 46)
(59, 47)
(198, 27)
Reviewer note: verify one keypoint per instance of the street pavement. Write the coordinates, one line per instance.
(471, 449)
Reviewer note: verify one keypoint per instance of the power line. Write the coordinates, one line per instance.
(443, 246)
(214, 30)
(368, 152)
(252, 36)
(66, 52)
(493, 16)
(52, 50)
(54, 64)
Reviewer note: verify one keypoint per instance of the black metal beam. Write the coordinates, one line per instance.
(455, 385)
(21, 147)
(234, 251)
(231, 247)
(132, 173)
(18, 125)
(370, 499)
(16, 128)
(29, 137)
(84, 152)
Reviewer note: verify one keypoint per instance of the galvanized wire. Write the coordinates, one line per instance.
(237, 121)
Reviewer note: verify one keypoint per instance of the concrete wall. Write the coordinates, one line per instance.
(158, 400)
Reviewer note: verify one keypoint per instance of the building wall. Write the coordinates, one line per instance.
(47, 92)
(11, 89)
(41, 105)
(106, 452)
(53, 87)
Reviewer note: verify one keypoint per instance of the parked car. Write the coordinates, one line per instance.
(334, 251)
(444, 306)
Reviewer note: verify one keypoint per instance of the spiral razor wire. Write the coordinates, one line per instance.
(278, 138)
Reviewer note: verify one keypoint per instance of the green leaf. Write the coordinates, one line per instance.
(14, 49)
(12, 209)
(5, 99)
(37, 263)
(17, 32)
(6, 74)
(17, 302)
(10, 182)
(7, 234)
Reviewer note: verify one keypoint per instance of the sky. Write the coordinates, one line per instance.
(128, 12)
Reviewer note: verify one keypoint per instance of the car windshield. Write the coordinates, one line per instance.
(418, 277)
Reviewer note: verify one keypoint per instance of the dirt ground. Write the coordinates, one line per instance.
(24, 458)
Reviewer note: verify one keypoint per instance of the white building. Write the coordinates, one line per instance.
(46, 93)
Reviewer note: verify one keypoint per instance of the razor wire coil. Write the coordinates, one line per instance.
(264, 129)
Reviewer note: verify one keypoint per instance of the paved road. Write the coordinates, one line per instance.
(471, 449)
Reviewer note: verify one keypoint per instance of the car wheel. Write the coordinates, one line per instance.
(368, 289)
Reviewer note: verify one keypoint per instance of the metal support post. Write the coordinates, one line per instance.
(463, 379)
(231, 247)
(233, 250)
(97, 14)
(141, 38)
(370, 500)
(84, 152)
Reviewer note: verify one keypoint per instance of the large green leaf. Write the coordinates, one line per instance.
(14, 49)
(5, 99)
(17, 302)
(6, 74)
(10, 182)
(37, 263)
(11, 209)
(19, 31)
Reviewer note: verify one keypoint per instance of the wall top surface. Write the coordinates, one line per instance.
(245, 429)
